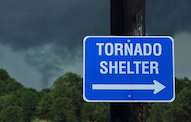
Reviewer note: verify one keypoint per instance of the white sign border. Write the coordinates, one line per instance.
(133, 101)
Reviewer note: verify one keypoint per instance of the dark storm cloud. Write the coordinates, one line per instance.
(25, 24)
(28, 26)
(166, 17)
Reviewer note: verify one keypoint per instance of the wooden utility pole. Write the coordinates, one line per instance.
(127, 19)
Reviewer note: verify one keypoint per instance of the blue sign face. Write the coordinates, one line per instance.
(128, 69)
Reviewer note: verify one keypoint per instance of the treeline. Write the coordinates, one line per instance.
(177, 111)
(63, 102)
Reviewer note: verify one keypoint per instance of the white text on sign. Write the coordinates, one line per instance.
(128, 49)
(125, 49)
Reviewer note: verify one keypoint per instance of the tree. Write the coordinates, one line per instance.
(177, 111)
(182, 83)
(13, 85)
(2, 87)
(43, 109)
(63, 110)
(76, 98)
(181, 108)
(44, 91)
(68, 79)
(156, 112)
(5, 102)
(99, 112)
(4, 75)
(69, 86)
(29, 101)
(8, 84)
(12, 114)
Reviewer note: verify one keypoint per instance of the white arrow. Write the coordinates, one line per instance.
(157, 87)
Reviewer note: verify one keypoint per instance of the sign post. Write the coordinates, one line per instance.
(128, 69)
(127, 19)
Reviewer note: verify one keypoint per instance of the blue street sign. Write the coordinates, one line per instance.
(128, 69)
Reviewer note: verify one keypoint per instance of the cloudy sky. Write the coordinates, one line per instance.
(40, 40)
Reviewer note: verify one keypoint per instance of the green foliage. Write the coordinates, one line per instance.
(59, 92)
(181, 108)
(177, 111)
(76, 96)
(69, 79)
(12, 114)
(182, 83)
(13, 86)
(2, 87)
(63, 110)
(44, 91)
(35, 92)
(8, 85)
(7, 100)
(4, 75)
(69, 86)
(99, 112)
(29, 101)
(43, 110)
